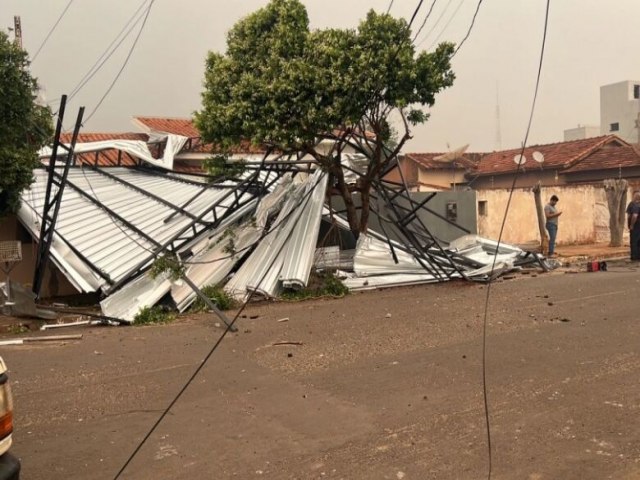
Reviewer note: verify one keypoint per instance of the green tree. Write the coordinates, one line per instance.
(282, 85)
(25, 126)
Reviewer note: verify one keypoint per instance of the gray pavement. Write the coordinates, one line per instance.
(366, 396)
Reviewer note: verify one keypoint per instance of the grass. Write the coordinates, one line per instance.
(320, 285)
(153, 316)
(17, 329)
(217, 295)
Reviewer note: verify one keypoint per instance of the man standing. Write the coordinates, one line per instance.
(633, 211)
(551, 213)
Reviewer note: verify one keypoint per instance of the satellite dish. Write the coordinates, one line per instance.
(538, 157)
(453, 155)
(519, 159)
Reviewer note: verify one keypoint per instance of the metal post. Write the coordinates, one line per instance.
(17, 30)
(209, 303)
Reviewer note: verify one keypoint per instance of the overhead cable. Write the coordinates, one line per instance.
(230, 325)
(446, 25)
(437, 22)
(389, 7)
(473, 21)
(126, 61)
(108, 52)
(46, 39)
(504, 221)
(424, 22)
(204, 361)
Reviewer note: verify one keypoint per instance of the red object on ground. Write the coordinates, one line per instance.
(593, 266)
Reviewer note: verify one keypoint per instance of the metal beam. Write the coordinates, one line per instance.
(218, 212)
(52, 204)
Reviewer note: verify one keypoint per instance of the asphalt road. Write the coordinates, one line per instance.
(385, 385)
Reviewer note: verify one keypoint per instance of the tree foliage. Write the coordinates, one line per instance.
(25, 126)
(283, 85)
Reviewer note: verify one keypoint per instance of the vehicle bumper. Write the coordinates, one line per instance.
(9, 467)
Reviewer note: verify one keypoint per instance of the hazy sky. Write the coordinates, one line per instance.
(590, 43)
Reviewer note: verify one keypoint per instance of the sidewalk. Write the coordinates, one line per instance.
(584, 252)
(594, 251)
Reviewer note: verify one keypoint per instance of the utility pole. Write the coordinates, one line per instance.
(17, 29)
(638, 126)
(544, 241)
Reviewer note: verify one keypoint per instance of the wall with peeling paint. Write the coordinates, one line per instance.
(585, 217)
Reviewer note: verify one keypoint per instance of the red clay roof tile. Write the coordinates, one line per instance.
(556, 155)
(427, 161)
(105, 158)
(186, 128)
(608, 157)
(176, 126)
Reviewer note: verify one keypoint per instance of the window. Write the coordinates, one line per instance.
(482, 208)
(452, 211)
(614, 127)
(636, 91)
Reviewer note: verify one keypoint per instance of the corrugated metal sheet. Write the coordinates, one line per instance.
(112, 247)
(396, 280)
(214, 259)
(333, 258)
(135, 148)
(373, 257)
(261, 271)
(300, 249)
(144, 291)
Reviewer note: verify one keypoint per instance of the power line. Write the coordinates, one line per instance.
(446, 25)
(230, 325)
(218, 342)
(107, 54)
(424, 22)
(389, 7)
(433, 27)
(473, 21)
(51, 31)
(126, 61)
(504, 221)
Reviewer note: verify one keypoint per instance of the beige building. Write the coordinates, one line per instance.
(424, 172)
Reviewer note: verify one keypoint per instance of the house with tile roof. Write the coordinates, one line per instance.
(425, 172)
(154, 134)
(584, 160)
(609, 161)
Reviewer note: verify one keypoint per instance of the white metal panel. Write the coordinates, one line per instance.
(301, 246)
(261, 270)
(142, 292)
(105, 242)
(136, 148)
(373, 257)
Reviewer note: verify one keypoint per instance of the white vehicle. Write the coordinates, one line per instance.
(9, 465)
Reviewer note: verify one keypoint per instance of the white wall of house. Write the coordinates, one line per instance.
(619, 109)
(581, 132)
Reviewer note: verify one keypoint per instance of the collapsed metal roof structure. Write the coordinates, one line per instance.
(115, 222)
(262, 227)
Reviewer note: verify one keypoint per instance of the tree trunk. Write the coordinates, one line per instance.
(365, 206)
(544, 241)
(352, 214)
(616, 190)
